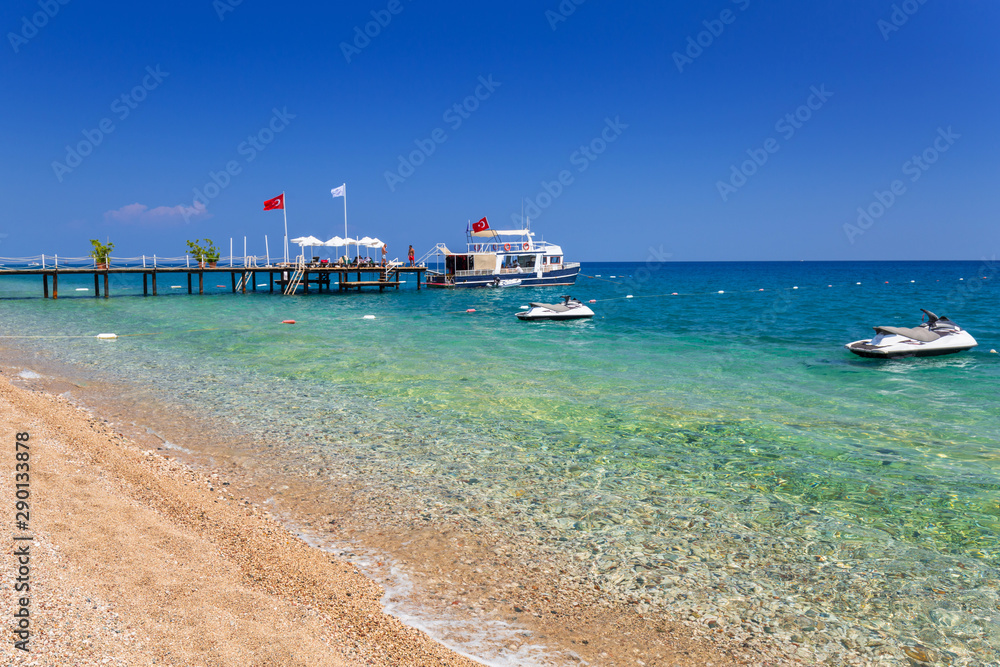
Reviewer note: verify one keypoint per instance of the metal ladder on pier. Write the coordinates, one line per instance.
(244, 281)
(295, 279)
(247, 274)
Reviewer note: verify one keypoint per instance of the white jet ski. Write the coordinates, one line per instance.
(938, 335)
(510, 282)
(569, 309)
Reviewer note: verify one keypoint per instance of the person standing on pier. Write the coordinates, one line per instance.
(385, 252)
(410, 255)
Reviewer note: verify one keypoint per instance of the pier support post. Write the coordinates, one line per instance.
(154, 283)
(189, 283)
(105, 284)
(253, 276)
(232, 276)
(97, 286)
(45, 285)
(201, 283)
(145, 284)
(55, 285)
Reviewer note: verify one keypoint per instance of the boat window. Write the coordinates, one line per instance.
(526, 261)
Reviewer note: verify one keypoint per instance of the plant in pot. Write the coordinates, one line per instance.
(100, 253)
(207, 253)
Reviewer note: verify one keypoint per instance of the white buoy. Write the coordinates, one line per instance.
(261, 284)
(913, 281)
(993, 351)
(795, 287)
(82, 289)
(614, 276)
(857, 283)
(722, 291)
(175, 287)
(369, 317)
(107, 336)
(523, 308)
(629, 296)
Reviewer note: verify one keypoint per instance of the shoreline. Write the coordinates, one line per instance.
(187, 571)
(529, 612)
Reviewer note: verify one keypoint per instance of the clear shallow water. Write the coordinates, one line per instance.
(673, 440)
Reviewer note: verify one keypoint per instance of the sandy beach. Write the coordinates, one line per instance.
(138, 557)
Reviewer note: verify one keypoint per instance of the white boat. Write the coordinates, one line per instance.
(509, 282)
(936, 336)
(503, 258)
(569, 309)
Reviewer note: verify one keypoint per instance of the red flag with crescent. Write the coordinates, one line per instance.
(480, 226)
(277, 202)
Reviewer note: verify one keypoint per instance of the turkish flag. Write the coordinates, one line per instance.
(480, 226)
(277, 202)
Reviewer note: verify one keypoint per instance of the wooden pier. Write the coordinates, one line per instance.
(321, 277)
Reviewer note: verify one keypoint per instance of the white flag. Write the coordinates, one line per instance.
(339, 192)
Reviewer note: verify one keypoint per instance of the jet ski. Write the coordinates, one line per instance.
(510, 282)
(936, 336)
(569, 309)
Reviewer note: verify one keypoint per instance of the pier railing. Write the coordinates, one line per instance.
(53, 262)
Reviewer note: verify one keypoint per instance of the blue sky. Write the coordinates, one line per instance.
(717, 130)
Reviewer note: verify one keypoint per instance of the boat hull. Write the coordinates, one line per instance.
(898, 347)
(558, 277)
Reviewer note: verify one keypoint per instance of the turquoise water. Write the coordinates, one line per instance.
(737, 416)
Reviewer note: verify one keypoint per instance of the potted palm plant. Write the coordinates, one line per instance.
(101, 253)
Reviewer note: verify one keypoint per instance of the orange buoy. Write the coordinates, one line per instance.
(288, 321)
(470, 310)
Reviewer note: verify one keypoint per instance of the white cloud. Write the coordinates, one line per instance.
(142, 214)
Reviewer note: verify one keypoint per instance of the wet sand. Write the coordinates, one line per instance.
(145, 553)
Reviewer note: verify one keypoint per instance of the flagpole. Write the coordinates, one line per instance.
(345, 210)
(284, 211)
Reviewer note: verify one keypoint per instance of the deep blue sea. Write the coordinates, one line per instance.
(707, 399)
